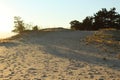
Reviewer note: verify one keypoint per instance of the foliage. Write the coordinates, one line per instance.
(102, 19)
(28, 26)
(35, 28)
(19, 25)
(107, 19)
(75, 25)
(88, 23)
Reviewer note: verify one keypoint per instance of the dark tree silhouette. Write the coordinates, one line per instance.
(75, 25)
(87, 23)
(106, 19)
(19, 25)
(35, 28)
(102, 19)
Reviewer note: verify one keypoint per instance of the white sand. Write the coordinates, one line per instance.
(56, 56)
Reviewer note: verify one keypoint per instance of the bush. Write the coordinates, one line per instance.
(19, 25)
(35, 28)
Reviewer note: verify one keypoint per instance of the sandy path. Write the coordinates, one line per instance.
(56, 56)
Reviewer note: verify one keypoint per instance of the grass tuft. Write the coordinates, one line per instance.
(108, 39)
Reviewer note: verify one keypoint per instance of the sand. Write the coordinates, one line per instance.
(58, 55)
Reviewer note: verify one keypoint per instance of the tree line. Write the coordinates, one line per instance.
(20, 26)
(102, 19)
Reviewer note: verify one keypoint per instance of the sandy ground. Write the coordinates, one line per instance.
(60, 55)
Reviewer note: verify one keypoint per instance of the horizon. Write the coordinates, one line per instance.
(48, 14)
(4, 35)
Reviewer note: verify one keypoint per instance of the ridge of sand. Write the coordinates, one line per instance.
(58, 55)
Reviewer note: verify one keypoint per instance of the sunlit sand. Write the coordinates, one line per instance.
(56, 55)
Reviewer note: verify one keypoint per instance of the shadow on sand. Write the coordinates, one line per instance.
(67, 49)
(82, 55)
(9, 44)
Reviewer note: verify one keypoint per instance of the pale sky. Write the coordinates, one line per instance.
(50, 13)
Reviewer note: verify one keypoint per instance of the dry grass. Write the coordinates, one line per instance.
(99, 37)
(108, 29)
(108, 39)
(104, 36)
(4, 40)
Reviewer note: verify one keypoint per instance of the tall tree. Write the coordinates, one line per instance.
(107, 19)
(100, 19)
(18, 24)
(87, 23)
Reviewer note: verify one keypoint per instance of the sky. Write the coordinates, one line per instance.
(50, 13)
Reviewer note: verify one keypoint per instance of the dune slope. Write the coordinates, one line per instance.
(57, 55)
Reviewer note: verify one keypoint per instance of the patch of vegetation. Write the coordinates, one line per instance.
(106, 36)
(102, 19)
(108, 39)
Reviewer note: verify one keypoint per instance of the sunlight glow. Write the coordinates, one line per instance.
(6, 18)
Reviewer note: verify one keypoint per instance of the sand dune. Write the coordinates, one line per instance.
(56, 55)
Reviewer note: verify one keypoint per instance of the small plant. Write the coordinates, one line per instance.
(19, 25)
